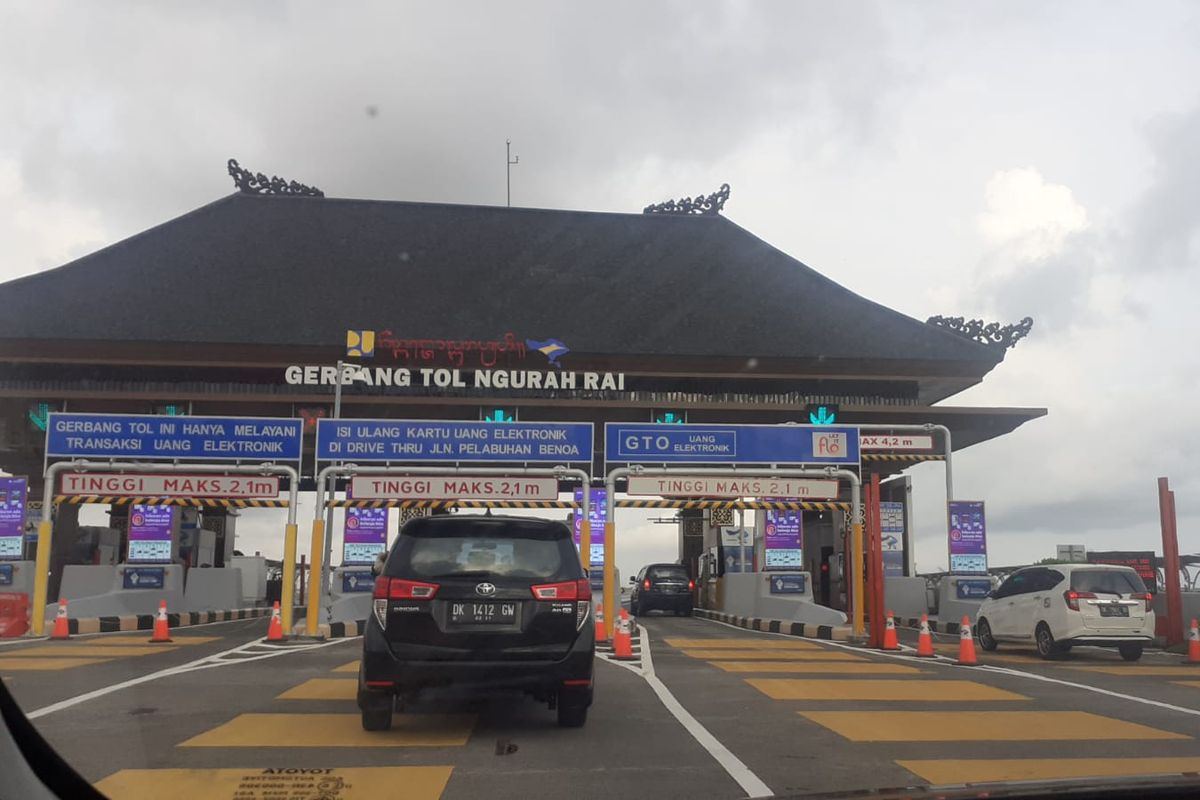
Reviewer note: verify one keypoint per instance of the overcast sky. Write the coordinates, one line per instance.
(985, 159)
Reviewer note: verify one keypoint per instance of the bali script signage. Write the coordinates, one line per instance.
(367, 344)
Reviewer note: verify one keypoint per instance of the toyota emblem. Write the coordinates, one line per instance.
(486, 589)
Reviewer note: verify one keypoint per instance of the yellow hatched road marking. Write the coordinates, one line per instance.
(983, 770)
(743, 644)
(89, 651)
(980, 726)
(344, 783)
(817, 667)
(1141, 670)
(30, 664)
(349, 667)
(336, 730)
(940, 691)
(323, 689)
(798, 655)
(143, 638)
(747, 655)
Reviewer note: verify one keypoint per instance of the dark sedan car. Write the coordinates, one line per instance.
(481, 603)
(662, 586)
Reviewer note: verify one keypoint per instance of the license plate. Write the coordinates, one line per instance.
(472, 613)
(1114, 611)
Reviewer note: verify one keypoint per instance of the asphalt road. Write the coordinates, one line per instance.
(707, 710)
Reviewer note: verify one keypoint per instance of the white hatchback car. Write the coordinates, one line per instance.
(1062, 605)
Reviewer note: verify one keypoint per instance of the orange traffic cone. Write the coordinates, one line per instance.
(62, 628)
(889, 634)
(601, 634)
(275, 629)
(925, 639)
(1194, 643)
(966, 644)
(623, 638)
(162, 629)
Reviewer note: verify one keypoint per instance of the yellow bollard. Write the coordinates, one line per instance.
(314, 576)
(41, 578)
(287, 591)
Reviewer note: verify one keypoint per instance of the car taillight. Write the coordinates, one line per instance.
(1149, 598)
(1073, 597)
(567, 590)
(646, 583)
(401, 589)
(691, 585)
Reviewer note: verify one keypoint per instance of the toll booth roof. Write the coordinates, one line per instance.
(300, 271)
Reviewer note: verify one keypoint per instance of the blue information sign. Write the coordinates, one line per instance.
(972, 588)
(406, 440)
(633, 443)
(787, 584)
(6, 574)
(144, 578)
(190, 438)
(357, 581)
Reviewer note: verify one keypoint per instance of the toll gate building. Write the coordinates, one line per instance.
(247, 306)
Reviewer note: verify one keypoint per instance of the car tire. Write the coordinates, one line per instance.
(377, 714)
(572, 716)
(983, 629)
(1130, 652)
(635, 609)
(684, 612)
(1046, 646)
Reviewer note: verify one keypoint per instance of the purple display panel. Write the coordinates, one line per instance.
(12, 516)
(783, 539)
(150, 530)
(968, 537)
(598, 500)
(365, 536)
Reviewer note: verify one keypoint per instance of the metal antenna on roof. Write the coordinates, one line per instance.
(508, 156)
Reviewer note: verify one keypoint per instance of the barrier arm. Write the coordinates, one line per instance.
(610, 482)
(319, 533)
(41, 578)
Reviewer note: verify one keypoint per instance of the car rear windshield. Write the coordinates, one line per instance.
(1107, 581)
(667, 573)
(492, 548)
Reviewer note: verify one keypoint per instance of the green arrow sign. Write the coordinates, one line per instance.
(822, 416)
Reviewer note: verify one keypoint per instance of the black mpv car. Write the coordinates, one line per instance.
(481, 603)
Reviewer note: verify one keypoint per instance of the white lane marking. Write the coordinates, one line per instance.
(750, 783)
(949, 662)
(205, 662)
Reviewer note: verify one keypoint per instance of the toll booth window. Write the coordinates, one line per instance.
(1108, 581)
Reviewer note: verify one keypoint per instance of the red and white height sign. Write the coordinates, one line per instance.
(234, 487)
(895, 442)
(452, 487)
(731, 486)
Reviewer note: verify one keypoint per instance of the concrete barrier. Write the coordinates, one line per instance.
(85, 580)
(906, 597)
(120, 601)
(214, 588)
(839, 633)
(750, 595)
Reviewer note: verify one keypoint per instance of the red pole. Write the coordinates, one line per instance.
(878, 596)
(1170, 539)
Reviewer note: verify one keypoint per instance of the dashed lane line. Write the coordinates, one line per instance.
(27, 664)
(323, 689)
(817, 667)
(343, 783)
